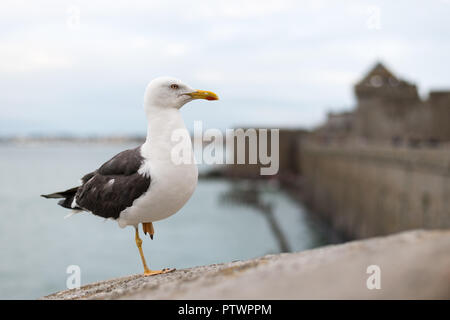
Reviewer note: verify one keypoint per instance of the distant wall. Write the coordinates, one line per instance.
(366, 192)
(439, 104)
(288, 159)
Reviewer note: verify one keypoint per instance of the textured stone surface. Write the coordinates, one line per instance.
(414, 265)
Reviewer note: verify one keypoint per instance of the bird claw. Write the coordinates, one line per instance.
(155, 272)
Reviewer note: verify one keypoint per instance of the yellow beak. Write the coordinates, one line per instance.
(202, 94)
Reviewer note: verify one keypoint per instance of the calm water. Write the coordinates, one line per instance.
(223, 221)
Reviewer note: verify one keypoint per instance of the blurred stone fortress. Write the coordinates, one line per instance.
(380, 169)
(390, 110)
(384, 167)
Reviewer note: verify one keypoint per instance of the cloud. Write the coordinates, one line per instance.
(281, 61)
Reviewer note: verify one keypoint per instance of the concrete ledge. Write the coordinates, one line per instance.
(414, 265)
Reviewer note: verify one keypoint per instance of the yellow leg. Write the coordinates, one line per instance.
(147, 271)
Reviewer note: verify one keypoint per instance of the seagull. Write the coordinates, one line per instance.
(147, 183)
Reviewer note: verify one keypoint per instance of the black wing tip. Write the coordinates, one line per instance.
(61, 194)
(52, 196)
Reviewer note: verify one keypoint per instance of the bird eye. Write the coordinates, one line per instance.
(174, 86)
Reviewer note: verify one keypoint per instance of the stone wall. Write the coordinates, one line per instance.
(414, 265)
(372, 191)
(288, 142)
(439, 103)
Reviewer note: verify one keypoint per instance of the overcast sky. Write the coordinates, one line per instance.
(81, 67)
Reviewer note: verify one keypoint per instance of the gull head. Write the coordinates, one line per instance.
(167, 92)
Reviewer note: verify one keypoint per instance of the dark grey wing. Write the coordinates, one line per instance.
(87, 177)
(112, 188)
(125, 163)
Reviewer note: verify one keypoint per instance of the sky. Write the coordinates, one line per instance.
(81, 67)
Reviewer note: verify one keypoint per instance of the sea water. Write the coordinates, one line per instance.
(223, 221)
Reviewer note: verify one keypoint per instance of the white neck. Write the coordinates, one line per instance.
(162, 122)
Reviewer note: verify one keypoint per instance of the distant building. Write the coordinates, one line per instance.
(339, 126)
(389, 109)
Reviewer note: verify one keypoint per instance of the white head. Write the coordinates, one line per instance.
(166, 92)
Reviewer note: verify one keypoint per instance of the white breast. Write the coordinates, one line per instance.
(171, 184)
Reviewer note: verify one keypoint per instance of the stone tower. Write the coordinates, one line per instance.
(387, 107)
(389, 110)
